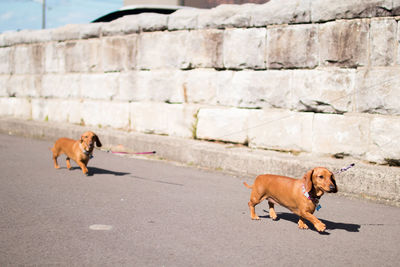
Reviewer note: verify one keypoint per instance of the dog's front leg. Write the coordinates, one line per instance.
(311, 218)
(83, 167)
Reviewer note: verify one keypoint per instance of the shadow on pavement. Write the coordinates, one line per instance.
(349, 227)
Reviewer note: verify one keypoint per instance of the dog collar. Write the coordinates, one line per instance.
(313, 199)
(87, 153)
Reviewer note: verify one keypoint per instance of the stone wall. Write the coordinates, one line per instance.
(318, 77)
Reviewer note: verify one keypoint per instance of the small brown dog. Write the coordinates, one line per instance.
(79, 150)
(301, 196)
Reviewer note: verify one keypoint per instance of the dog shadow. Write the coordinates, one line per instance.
(95, 170)
(349, 227)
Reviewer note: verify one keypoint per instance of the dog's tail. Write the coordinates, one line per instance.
(248, 186)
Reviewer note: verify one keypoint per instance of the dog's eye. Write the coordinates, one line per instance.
(321, 176)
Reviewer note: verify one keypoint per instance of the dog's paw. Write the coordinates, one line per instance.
(302, 225)
(320, 227)
(256, 218)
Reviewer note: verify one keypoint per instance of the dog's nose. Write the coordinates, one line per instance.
(332, 187)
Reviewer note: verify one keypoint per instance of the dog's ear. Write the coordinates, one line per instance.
(97, 140)
(308, 180)
(81, 139)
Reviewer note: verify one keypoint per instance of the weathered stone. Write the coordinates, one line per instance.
(112, 114)
(4, 85)
(54, 57)
(119, 53)
(346, 134)
(99, 86)
(281, 130)
(398, 40)
(128, 87)
(61, 86)
(383, 42)
(28, 59)
(91, 30)
(244, 48)
(294, 46)
(280, 12)
(224, 16)
(326, 10)
(152, 22)
(203, 49)
(83, 56)
(159, 86)
(24, 86)
(396, 8)
(229, 125)
(6, 59)
(385, 142)
(67, 32)
(378, 90)
(124, 25)
(255, 89)
(344, 43)
(184, 19)
(160, 118)
(200, 86)
(162, 50)
(323, 90)
(15, 107)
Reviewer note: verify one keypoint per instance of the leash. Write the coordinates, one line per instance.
(345, 168)
(131, 153)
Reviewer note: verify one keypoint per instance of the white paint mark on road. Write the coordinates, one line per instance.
(100, 227)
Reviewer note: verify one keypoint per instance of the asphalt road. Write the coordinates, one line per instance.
(136, 212)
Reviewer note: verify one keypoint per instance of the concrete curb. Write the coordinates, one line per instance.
(379, 183)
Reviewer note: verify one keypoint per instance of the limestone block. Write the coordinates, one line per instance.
(383, 42)
(83, 56)
(224, 16)
(40, 110)
(4, 85)
(244, 48)
(385, 142)
(398, 40)
(24, 85)
(119, 53)
(281, 130)
(323, 90)
(159, 86)
(255, 89)
(203, 49)
(113, 114)
(125, 25)
(15, 107)
(281, 12)
(28, 59)
(344, 43)
(160, 118)
(396, 8)
(6, 60)
(378, 90)
(152, 22)
(128, 87)
(340, 134)
(223, 124)
(99, 85)
(200, 86)
(67, 32)
(61, 85)
(162, 50)
(326, 10)
(90, 30)
(294, 46)
(54, 57)
(184, 19)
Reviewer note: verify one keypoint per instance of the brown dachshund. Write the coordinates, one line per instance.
(301, 196)
(79, 150)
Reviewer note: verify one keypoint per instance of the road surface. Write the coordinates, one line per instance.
(136, 212)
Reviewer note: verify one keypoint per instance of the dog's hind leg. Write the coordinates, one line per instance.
(272, 212)
(55, 156)
(68, 163)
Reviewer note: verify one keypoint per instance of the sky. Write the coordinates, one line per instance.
(27, 14)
